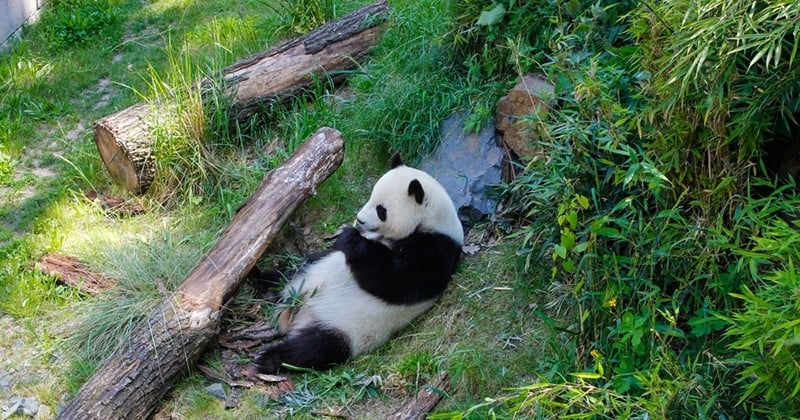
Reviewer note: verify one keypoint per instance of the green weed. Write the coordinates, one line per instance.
(765, 330)
(304, 15)
(66, 23)
(6, 167)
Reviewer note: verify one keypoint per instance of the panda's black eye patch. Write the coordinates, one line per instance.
(381, 212)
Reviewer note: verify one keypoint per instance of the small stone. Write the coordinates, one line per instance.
(29, 407)
(10, 408)
(217, 390)
(20, 406)
(530, 96)
(5, 383)
(44, 412)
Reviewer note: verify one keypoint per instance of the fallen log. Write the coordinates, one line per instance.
(134, 380)
(333, 50)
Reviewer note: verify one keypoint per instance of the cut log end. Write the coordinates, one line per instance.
(119, 165)
(123, 140)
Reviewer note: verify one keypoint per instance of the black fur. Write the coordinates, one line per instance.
(316, 256)
(415, 189)
(396, 160)
(413, 270)
(269, 282)
(314, 347)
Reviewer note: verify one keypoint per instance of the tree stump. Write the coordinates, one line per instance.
(125, 141)
(134, 380)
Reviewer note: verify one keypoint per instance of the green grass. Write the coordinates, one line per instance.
(487, 332)
(629, 276)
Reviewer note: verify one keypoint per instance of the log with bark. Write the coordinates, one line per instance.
(133, 381)
(333, 50)
(425, 400)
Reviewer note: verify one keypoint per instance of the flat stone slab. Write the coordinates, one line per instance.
(467, 164)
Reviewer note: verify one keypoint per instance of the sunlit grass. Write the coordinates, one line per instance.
(207, 169)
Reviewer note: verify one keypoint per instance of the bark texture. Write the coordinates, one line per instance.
(331, 51)
(74, 273)
(132, 382)
(425, 401)
(126, 146)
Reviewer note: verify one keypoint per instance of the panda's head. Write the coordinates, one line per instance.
(405, 200)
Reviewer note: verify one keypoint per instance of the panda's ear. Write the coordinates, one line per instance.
(396, 161)
(415, 189)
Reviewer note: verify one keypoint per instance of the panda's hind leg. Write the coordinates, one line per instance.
(313, 346)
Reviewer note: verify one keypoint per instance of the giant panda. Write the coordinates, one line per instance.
(377, 277)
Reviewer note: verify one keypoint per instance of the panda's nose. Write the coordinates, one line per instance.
(360, 222)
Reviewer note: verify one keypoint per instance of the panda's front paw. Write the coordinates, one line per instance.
(338, 232)
(348, 235)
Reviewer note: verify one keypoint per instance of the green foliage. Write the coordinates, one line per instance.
(24, 291)
(194, 134)
(497, 37)
(574, 400)
(415, 364)
(725, 78)
(146, 269)
(644, 203)
(302, 16)
(394, 107)
(6, 167)
(66, 23)
(766, 331)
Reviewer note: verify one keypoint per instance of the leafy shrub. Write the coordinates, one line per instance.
(725, 78)
(497, 37)
(766, 331)
(647, 203)
(67, 23)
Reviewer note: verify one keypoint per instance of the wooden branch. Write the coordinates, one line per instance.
(74, 273)
(134, 380)
(333, 50)
(424, 402)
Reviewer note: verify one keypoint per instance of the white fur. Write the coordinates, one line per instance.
(331, 296)
(436, 213)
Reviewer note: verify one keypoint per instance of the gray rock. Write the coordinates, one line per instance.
(466, 164)
(5, 383)
(20, 406)
(44, 412)
(217, 390)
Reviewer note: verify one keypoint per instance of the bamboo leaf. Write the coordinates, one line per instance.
(493, 16)
(586, 375)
